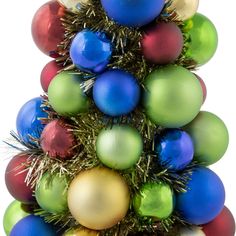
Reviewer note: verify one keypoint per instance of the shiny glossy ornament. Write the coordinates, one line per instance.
(162, 43)
(98, 198)
(58, 140)
(204, 198)
(49, 71)
(174, 149)
(133, 13)
(91, 51)
(47, 29)
(28, 124)
(203, 39)
(210, 137)
(185, 9)
(119, 147)
(72, 4)
(66, 95)
(204, 88)
(116, 92)
(33, 226)
(81, 232)
(14, 213)
(154, 200)
(173, 96)
(191, 231)
(15, 176)
(51, 193)
(222, 225)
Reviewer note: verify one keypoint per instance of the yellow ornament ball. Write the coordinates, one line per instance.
(72, 4)
(81, 232)
(185, 8)
(98, 198)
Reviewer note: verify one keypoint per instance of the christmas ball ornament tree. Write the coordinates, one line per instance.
(174, 149)
(101, 192)
(130, 146)
(133, 13)
(205, 191)
(66, 95)
(47, 29)
(173, 96)
(162, 43)
(116, 92)
(210, 137)
(81, 232)
(91, 51)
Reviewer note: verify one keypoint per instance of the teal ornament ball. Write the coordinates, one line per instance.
(51, 193)
(210, 137)
(173, 97)
(14, 213)
(154, 200)
(119, 147)
(66, 95)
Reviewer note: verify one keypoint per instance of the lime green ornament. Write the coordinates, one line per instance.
(173, 97)
(119, 147)
(14, 213)
(51, 193)
(203, 39)
(210, 137)
(154, 200)
(66, 95)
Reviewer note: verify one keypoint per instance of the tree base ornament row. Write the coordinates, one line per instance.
(118, 144)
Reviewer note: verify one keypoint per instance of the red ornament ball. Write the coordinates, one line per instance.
(47, 30)
(204, 88)
(15, 176)
(57, 140)
(222, 225)
(48, 73)
(162, 43)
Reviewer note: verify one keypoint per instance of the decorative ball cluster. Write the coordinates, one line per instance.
(108, 152)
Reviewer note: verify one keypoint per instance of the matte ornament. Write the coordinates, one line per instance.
(72, 4)
(47, 30)
(191, 231)
(174, 149)
(204, 88)
(173, 97)
(162, 43)
(28, 122)
(98, 198)
(185, 9)
(33, 226)
(116, 92)
(204, 198)
(91, 51)
(14, 213)
(81, 232)
(133, 13)
(203, 39)
(154, 200)
(57, 140)
(66, 95)
(210, 137)
(51, 193)
(48, 73)
(15, 176)
(129, 142)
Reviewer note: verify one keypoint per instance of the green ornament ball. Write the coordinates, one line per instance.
(51, 193)
(210, 137)
(154, 200)
(66, 95)
(119, 147)
(203, 39)
(172, 97)
(14, 213)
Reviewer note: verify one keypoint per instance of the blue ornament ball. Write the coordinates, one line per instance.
(204, 198)
(133, 13)
(28, 123)
(33, 226)
(91, 51)
(116, 92)
(174, 148)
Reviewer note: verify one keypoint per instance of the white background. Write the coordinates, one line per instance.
(21, 64)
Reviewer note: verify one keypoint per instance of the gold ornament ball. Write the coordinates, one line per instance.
(81, 232)
(185, 8)
(98, 198)
(72, 4)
